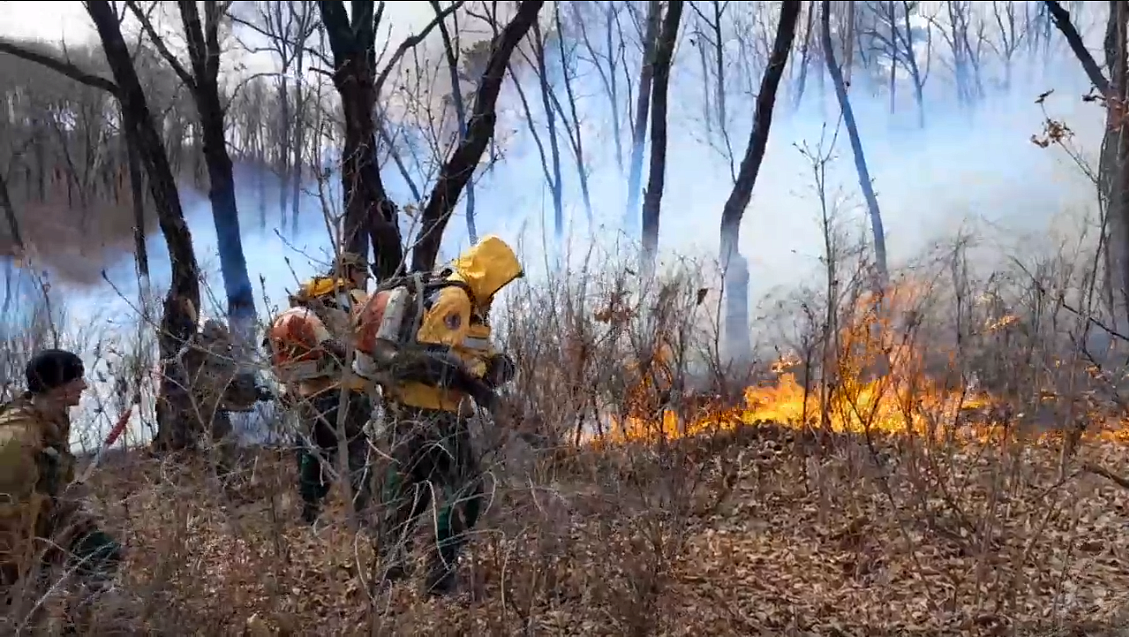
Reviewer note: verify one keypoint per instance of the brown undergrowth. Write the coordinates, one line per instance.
(780, 535)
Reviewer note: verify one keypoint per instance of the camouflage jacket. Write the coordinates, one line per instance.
(36, 466)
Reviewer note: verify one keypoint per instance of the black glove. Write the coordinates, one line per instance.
(438, 367)
(483, 395)
(264, 394)
(336, 354)
(500, 369)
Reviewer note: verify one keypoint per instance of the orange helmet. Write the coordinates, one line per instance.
(293, 336)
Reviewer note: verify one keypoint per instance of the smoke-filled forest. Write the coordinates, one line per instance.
(823, 328)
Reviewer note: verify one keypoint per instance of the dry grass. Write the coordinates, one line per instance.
(780, 553)
(776, 529)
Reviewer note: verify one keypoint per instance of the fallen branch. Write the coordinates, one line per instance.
(1098, 470)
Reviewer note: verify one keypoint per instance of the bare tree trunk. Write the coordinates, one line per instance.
(551, 126)
(805, 56)
(576, 137)
(137, 192)
(370, 215)
(893, 53)
(1113, 171)
(178, 321)
(856, 148)
(456, 172)
(10, 290)
(707, 108)
(609, 78)
(733, 264)
(10, 216)
(642, 109)
(202, 38)
(460, 113)
(204, 52)
(285, 126)
(656, 178)
(299, 138)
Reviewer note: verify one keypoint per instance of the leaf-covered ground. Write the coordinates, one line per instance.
(980, 541)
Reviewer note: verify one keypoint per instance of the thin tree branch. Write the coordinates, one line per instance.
(159, 44)
(412, 41)
(1061, 19)
(60, 66)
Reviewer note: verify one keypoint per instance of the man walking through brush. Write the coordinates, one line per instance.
(448, 361)
(309, 357)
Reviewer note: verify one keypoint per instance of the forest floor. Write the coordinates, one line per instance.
(770, 537)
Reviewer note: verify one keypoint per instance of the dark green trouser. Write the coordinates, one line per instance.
(320, 415)
(432, 458)
(95, 556)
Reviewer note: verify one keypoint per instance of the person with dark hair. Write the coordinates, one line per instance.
(42, 521)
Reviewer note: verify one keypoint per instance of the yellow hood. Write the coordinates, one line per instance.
(321, 286)
(487, 266)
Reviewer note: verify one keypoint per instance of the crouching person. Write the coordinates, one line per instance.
(433, 376)
(43, 520)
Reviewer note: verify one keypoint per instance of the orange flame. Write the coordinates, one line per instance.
(879, 384)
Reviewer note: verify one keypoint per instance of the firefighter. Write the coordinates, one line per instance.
(43, 521)
(215, 386)
(429, 439)
(309, 357)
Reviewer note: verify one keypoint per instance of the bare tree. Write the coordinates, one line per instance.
(571, 118)
(805, 57)
(457, 170)
(856, 147)
(370, 215)
(556, 185)
(965, 34)
(652, 199)
(894, 35)
(712, 37)
(203, 82)
(451, 53)
(287, 27)
(17, 240)
(607, 61)
(733, 264)
(1010, 37)
(137, 199)
(642, 109)
(1113, 170)
(367, 205)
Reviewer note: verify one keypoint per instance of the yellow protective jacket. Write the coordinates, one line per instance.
(456, 317)
(36, 465)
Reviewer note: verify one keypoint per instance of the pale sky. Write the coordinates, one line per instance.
(57, 21)
(67, 20)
